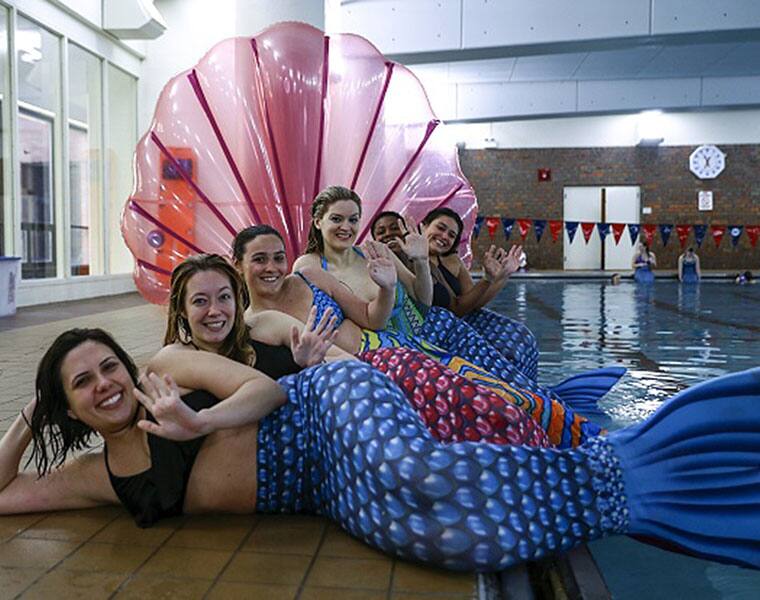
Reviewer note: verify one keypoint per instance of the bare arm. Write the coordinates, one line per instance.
(80, 483)
(680, 268)
(247, 395)
(276, 328)
(370, 315)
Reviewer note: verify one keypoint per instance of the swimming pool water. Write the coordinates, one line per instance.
(669, 336)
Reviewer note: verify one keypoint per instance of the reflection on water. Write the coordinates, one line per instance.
(668, 336)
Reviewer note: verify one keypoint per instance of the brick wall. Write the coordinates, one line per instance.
(506, 184)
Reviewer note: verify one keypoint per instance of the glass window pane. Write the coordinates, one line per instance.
(38, 64)
(37, 55)
(6, 231)
(122, 139)
(86, 246)
(37, 208)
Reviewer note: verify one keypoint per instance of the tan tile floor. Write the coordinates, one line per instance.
(100, 553)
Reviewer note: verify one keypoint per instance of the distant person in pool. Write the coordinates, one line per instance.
(688, 267)
(643, 264)
(745, 277)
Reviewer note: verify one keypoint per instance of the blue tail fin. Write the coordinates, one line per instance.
(692, 471)
(582, 392)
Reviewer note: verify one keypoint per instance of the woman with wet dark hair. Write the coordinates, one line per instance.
(345, 444)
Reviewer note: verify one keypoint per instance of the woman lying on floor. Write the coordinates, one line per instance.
(345, 444)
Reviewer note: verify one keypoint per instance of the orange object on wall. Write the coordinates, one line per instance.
(176, 207)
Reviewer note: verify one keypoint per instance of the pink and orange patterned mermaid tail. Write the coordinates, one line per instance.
(453, 408)
(565, 427)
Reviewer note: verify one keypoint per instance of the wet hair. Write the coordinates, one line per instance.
(381, 215)
(326, 198)
(236, 346)
(446, 212)
(54, 432)
(248, 235)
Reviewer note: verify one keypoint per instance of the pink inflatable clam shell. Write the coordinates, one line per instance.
(259, 126)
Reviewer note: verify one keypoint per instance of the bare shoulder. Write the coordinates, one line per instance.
(167, 355)
(453, 263)
(307, 260)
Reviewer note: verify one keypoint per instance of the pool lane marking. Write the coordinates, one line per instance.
(704, 319)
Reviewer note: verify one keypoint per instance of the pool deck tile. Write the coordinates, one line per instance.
(100, 553)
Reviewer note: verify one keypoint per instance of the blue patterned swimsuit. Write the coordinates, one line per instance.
(456, 345)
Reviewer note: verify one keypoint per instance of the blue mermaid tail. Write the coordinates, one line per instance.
(692, 471)
(511, 338)
(582, 392)
(348, 445)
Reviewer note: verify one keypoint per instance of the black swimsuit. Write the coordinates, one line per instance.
(159, 492)
(274, 361)
(441, 295)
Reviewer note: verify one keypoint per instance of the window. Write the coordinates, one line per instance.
(6, 206)
(38, 61)
(122, 138)
(85, 189)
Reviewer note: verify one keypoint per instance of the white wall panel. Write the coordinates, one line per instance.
(721, 91)
(492, 100)
(678, 129)
(400, 26)
(92, 10)
(685, 16)
(638, 94)
(513, 22)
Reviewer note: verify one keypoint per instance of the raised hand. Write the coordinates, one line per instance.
(414, 244)
(380, 264)
(499, 264)
(175, 420)
(310, 346)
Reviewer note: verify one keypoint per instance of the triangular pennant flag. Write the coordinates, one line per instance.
(735, 231)
(665, 231)
(753, 231)
(554, 228)
(649, 230)
(717, 232)
(539, 225)
(506, 225)
(571, 227)
(633, 231)
(617, 231)
(491, 224)
(478, 225)
(603, 229)
(524, 227)
(683, 234)
(588, 229)
(699, 234)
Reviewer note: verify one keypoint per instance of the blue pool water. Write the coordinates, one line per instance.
(669, 336)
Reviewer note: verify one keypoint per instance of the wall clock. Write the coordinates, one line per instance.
(707, 162)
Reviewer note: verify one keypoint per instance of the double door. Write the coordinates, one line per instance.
(608, 204)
